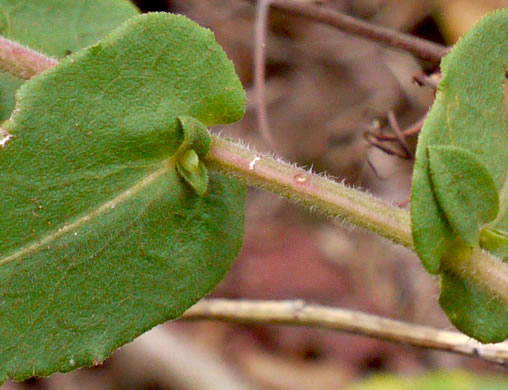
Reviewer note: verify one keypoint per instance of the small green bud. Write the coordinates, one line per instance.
(189, 160)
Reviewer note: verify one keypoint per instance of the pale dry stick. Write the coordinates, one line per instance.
(421, 48)
(300, 313)
(259, 69)
(22, 61)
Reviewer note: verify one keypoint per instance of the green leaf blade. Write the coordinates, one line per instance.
(469, 113)
(473, 310)
(449, 215)
(100, 289)
(101, 238)
(56, 28)
(464, 189)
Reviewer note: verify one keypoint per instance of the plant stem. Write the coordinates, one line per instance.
(421, 48)
(300, 313)
(324, 195)
(480, 267)
(314, 191)
(22, 61)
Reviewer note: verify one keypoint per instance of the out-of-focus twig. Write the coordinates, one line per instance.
(260, 32)
(259, 69)
(300, 313)
(394, 125)
(384, 147)
(411, 131)
(379, 139)
(428, 80)
(421, 48)
(173, 360)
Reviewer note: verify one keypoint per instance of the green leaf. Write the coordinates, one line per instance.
(460, 179)
(469, 113)
(56, 28)
(100, 237)
(473, 310)
(8, 86)
(464, 190)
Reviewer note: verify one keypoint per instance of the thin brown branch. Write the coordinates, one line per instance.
(380, 140)
(22, 61)
(373, 139)
(394, 125)
(300, 313)
(411, 131)
(385, 147)
(428, 80)
(421, 48)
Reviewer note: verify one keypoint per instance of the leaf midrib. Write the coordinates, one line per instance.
(166, 166)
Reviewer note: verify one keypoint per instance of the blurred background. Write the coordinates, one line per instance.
(324, 90)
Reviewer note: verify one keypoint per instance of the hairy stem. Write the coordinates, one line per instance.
(22, 61)
(300, 313)
(324, 195)
(482, 268)
(314, 191)
(421, 48)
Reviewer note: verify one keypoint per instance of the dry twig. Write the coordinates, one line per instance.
(300, 313)
(421, 48)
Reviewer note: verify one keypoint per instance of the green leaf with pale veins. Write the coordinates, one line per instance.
(464, 189)
(101, 237)
(467, 119)
(56, 28)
